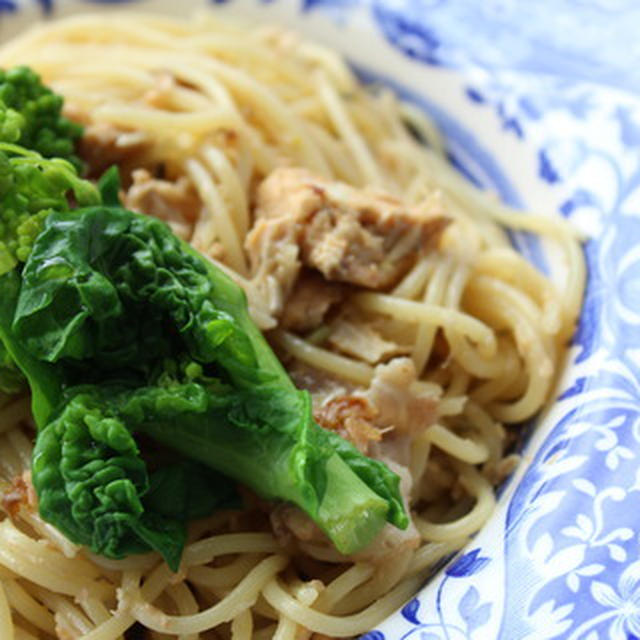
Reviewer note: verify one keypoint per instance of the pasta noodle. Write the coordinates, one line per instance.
(481, 331)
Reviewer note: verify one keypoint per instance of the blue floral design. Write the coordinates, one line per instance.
(308, 5)
(571, 39)
(467, 565)
(410, 611)
(622, 605)
(474, 613)
(413, 37)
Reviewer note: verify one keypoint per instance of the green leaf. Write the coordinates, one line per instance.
(109, 187)
(94, 485)
(90, 478)
(45, 383)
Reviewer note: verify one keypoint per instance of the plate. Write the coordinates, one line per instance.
(538, 106)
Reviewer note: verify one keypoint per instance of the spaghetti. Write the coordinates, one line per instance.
(470, 329)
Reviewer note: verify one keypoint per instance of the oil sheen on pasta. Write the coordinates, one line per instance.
(386, 283)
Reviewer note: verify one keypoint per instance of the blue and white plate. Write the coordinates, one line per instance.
(536, 101)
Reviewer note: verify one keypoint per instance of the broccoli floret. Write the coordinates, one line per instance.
(12, 124)
(30, 188)
(30, 115)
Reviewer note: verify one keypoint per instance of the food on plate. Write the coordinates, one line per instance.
(263, 352)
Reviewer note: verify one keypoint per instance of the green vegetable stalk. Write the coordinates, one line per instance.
(126, 333)
(11, 379)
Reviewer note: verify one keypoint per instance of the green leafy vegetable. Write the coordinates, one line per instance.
(124, 331)
(31, 116)
(31, 187)
(95, 487)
